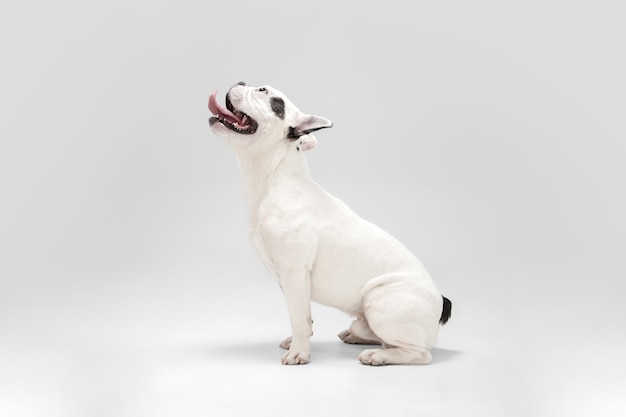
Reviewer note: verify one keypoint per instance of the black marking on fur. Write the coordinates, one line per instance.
(447, 310)
(278, 107)
(293, 134)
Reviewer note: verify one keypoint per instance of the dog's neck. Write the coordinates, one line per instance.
(263, 169)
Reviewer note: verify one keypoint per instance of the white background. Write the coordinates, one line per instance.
(488, 137)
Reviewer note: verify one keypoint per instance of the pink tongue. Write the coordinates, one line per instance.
(218, 110)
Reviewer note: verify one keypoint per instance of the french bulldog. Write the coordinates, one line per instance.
(316, 246)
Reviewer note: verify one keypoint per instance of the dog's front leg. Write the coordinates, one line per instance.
(297, 290)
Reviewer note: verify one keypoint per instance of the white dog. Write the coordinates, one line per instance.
(316, 246)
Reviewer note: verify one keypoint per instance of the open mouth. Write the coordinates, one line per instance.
(230, 117)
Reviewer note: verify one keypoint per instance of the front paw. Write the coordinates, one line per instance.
(296, 357)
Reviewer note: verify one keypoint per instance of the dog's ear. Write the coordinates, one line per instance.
(307, 123)
(306, 142)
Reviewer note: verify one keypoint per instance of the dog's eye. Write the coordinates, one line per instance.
(262, 90)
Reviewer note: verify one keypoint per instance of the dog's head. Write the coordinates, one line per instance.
(263, 116)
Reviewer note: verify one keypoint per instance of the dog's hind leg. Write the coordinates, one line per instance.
(359, 333)
(404, 315)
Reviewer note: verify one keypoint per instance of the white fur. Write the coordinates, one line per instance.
(320, 250)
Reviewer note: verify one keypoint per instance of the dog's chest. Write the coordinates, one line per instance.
(258, 243)
(284, 225)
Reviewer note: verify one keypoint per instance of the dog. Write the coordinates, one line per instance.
(316, 246)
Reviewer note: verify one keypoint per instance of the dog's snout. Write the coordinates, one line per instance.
(235, 87)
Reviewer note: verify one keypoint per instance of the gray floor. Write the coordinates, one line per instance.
(201, 341)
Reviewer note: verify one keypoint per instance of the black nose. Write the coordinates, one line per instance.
(241, 83)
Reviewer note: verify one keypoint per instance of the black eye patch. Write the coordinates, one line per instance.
(278, 106)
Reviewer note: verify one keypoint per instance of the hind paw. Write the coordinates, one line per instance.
(286, 344)
(350, 338)
(395, 355)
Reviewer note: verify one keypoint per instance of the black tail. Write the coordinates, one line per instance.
(447, 310)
